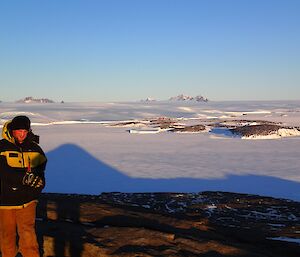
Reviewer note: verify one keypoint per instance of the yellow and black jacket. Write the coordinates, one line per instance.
(15, 160)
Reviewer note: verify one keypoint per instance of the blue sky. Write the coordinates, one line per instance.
(127, 50)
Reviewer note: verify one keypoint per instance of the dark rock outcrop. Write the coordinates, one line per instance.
(30, 99)
(167, 224)
(190, 129)
(242, 123)
(182, 97)
(260, 130)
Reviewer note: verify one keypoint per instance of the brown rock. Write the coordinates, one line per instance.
(190, 129)
(262, 130)
(165, 224)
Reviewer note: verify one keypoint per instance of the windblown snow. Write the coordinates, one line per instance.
(132, 147)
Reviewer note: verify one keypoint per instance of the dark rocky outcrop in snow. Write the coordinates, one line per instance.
(128, 124)
(168, 224)
(164, 122)
(241, 123)
(30, 99)
(182, 97)
(249, 129)
(190, 129)
(148, 99)
(261, 130)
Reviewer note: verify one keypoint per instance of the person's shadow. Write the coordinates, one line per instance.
(64, 227)
(68, 212)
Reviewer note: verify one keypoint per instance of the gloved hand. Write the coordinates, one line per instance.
(33, 180)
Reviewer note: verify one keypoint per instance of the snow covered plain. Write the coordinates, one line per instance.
(88, 155)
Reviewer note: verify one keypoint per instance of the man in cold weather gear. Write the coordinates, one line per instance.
(22, 165)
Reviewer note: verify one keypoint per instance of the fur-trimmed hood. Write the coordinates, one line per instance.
(6, 132)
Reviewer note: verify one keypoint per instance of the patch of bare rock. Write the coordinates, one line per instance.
(167, 224)
(190, 129)
(247, 129)
(264, 130)
(240, 123)
(164, 123)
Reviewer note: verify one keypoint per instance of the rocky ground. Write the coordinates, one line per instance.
(168, 224)
(236, 127)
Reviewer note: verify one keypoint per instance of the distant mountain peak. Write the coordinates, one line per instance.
(183, 97)
(148, 99)
(30, 99)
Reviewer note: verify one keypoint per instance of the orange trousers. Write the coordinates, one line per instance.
(21, 221)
